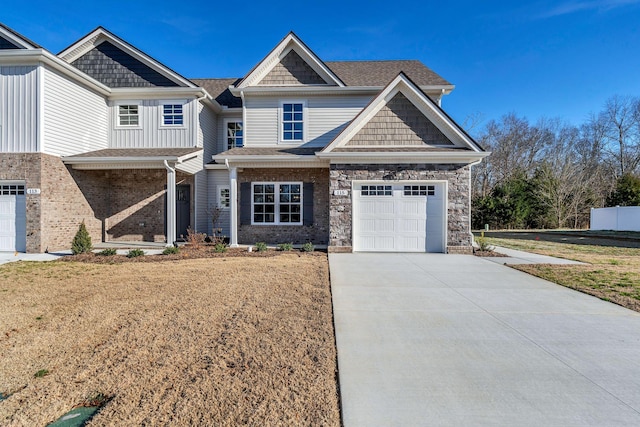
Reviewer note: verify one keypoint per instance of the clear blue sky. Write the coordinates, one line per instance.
(537, 58)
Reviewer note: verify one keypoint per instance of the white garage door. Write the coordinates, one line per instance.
(398, 217)
(13, 217)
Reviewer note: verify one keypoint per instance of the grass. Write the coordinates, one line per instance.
(612, 273)
(214, 341)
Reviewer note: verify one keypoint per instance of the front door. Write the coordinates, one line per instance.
(183, 209)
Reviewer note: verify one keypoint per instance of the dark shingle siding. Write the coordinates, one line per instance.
(6, 44)
(115, 68)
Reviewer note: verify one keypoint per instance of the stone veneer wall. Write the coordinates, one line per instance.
(318, 233)
(457, 176)
(53, 216)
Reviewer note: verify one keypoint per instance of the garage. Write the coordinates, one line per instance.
(399, 216)
(13, 216)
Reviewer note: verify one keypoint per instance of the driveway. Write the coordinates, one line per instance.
(446, 340)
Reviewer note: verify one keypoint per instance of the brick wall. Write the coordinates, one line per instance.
(457, 176)
(291, 70)
(399, 123)
(318, 233)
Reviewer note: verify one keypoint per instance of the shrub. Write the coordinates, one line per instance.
(194, 238)
(134, 253)
(107, 252)
(81, 243)
(308, 247)
(170, 250)
(220, 248)
(285, 247)
(483, 245)
(261, 246)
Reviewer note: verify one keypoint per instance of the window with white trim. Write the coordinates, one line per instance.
(12, 189)
(235, 135)
(224, 197)
(172, 115)
(128, 115)
(277, 203)
(293, 121)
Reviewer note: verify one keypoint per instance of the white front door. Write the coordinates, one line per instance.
(13, 217)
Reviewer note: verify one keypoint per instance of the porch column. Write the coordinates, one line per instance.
(233, 190)
(171, 204)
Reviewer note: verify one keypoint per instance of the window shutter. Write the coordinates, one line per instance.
(245, 203)
(307, 203)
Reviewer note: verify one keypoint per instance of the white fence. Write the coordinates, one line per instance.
(620, 218)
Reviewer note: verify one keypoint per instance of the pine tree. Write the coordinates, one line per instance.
(82, 241)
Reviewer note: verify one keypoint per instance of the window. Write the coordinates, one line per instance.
(376, 190)
(172, 115)
(12, 190)
(224, 197)
(277, 203)
(128, 115)
(234, 135)
(419, 190)
(292, 121)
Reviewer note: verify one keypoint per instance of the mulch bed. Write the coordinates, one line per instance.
(489, 254)
(186, 252)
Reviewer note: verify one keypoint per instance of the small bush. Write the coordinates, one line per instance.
(41, 373)
(107, 252)
(308, 247)
(81, 243)
(194, 238)
(170, 250)
(220, 248)
(285, 247)
(261, 246)
(483, 245)
(134, 253)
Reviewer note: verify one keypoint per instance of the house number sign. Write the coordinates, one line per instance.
(33, 191)
(340, 192)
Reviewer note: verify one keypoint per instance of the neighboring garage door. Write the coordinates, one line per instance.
(399, 217)
(13, 217)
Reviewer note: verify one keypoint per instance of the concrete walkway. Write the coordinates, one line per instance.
(514, 257)
(6, 257)
(455, 340)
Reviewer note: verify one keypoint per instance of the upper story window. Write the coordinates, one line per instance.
(172, 115)
(235, 135)
(128, 115)
(293, 121)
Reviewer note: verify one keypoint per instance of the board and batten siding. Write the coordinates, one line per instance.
(151, 133)
(207, 131)
(18, 109)
(325, 117)
(75, 118)
(217, 179)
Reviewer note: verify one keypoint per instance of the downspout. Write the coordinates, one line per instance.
(195, 138)
(171, 204)
(477, 162)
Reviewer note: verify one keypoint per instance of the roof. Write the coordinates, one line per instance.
(219, 90)
(271, 151)
(379, 73)
(20, 37)
(392, 149)
(137, 152)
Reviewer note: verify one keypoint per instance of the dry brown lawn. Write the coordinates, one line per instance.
(216, 341)
(611, 273)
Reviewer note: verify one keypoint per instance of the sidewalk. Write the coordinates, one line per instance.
(515, 257)
(6, 257)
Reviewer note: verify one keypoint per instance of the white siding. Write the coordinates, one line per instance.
(208, 132)
(217, 178)
(326, 116)
(151, 133)
(75, 118)
(18, 109)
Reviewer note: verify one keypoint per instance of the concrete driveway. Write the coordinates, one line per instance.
(455, 340)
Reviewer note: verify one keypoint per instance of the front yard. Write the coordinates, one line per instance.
(613, 273)
(214, 341)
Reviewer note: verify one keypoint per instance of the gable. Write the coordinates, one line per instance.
(6, 44)
(399, 122)
(114, 67)
(292, 70)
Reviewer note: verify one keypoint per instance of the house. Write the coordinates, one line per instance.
(355, 155)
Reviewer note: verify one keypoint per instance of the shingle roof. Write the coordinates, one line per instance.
(352, 73)
(20, 36)
(380, 73)
(271, 151)
(139, 152)
(219, 89)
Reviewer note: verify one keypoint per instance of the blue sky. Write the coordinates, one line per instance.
(537, 58)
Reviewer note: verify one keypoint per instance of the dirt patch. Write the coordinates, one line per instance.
(209, 341)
